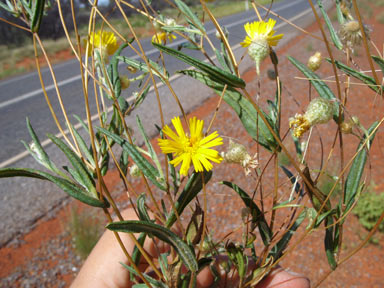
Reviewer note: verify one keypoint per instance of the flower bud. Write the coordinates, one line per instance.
(125, 82)
(170, 22)
(258, 50)
(132, 69)
(346, 127)
(314, 61)
(217, 35)
(134, 171)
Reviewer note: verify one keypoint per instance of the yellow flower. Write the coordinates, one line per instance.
(193, 148)
(104, 41)
(260, 30)
(161, 37)
(260, 37)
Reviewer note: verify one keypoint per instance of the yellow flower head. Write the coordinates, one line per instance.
(260, 30)
(105, 41)
(260, 37)
(161, 37)
(193, 148)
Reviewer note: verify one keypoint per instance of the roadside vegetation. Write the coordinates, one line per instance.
(17, 56)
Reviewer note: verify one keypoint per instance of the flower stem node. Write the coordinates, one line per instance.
(238, 154)
(314, 62)
(319, 111)
(260, 37)
(191, 149)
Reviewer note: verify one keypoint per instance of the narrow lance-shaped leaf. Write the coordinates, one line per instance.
(154, 230)
(371, 83)
(320, 86)
(71, 189)
(152, 281)
(148, 170)
(190, 191)
(352, 182)
(214, 72)
(143, 214)
(248, 115)
(332, 31)
(190, 16)
(83, 176)
(379, 61)
(280, 246)
(37, 15)
(83, 146)
(257, 215)
(151, 150)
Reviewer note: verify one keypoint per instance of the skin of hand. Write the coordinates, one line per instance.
(102, 269)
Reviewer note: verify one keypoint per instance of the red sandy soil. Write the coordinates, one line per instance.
(362, 270)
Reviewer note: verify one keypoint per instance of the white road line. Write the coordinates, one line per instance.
(94, 117)
(150, 52)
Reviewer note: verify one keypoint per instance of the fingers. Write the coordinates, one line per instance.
(279, 278)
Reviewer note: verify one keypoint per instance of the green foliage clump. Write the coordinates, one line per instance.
(369, 209)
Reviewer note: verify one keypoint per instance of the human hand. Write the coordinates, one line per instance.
(102, 269)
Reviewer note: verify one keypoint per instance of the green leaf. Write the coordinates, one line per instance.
(368, 80)
(70, 188)
(190, 191)
(190, 16)
(143, 214)
(293, 180)
(379, 61)
(83, 146)
(280, 246)
(147, 142)
(214, 72)
(340, 16)
(152, 281)
(257, 215)
(157, 69)
(321, 88)
(248, 115)
(84, 177)
(332, 31)
(38, 152)
(37, 15)
(136, 254)
(330, 243)
(352, 182)
(154, 230)
(148, 170)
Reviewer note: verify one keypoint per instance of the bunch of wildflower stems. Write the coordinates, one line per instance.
(193, 147)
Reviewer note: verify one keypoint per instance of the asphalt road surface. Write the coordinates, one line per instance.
(23, 201)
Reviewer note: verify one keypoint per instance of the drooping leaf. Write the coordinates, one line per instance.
(143, 213)
(154, 230)
(148, 170)
(70, 188)
(214, 72)
(257, 215)
(352, 182)
(247, 113)
(191, 189)
(368, 80)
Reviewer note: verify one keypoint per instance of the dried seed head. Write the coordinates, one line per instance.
(125, 82)
(319, 111)
(350, 33)
(238, 154)
(314, 61)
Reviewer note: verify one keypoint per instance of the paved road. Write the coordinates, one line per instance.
(23, 201)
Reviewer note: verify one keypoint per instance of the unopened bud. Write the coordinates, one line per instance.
(134, 171)
(258, 51)
(346, 127)
(314, 61)
(125, 82)
(170, 22)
